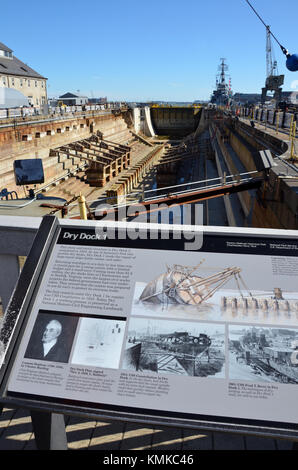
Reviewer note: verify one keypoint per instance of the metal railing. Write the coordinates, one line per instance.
(159, 193)
(17, 116)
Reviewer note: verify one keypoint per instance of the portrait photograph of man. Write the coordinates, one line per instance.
(52, 337)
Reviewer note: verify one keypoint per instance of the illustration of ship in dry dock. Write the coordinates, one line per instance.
(181, 285)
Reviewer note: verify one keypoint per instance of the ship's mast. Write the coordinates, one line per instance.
(222, 93)
(223, 67)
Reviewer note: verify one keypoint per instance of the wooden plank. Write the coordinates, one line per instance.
(68, 152)
(116, 144)
(79, 432)
(226, 441)
(17, 432)
(98, 159)
(259, 443)
(167, 438)
(5, 419)
(97, 148)
(137, 437)
(196, 440)
(107, 436)
(103, 153)
(107, 148)
(80, 148)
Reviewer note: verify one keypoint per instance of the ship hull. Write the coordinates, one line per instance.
(174, 288)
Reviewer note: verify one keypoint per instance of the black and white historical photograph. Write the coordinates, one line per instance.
(99, 342)
(210, 292)
(263, 354)
(175, 347)
(52, 337)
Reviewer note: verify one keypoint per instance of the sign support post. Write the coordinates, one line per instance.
(49, 430)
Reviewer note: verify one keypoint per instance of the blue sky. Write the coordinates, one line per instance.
(155, 50)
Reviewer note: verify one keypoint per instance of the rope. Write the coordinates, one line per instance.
(8, 206)
(284, 50)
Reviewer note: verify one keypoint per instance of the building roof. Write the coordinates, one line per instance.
(14, 66)
(4, 48)
(68, 95)
(72, 95)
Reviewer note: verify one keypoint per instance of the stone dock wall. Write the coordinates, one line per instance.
(35, 140)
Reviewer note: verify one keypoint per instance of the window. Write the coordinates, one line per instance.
(4, 80)
(35, 83)
(12, 81)
(28, 82)
(42, 84)
(21, 82)
(23, 69)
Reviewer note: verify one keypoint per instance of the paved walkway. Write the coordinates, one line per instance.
(281, 133)
(82, 434)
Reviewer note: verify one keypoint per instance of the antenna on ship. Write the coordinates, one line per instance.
(292, 59)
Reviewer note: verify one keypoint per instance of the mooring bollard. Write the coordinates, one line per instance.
(82, 206)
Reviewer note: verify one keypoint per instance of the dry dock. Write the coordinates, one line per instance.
(36, 140)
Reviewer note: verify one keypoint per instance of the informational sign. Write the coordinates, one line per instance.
(135, 324)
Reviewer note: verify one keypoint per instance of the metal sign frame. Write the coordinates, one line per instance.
(18, 314)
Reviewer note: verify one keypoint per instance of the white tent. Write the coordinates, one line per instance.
(11, 98)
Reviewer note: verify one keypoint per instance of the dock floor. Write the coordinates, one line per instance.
(16, 434)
